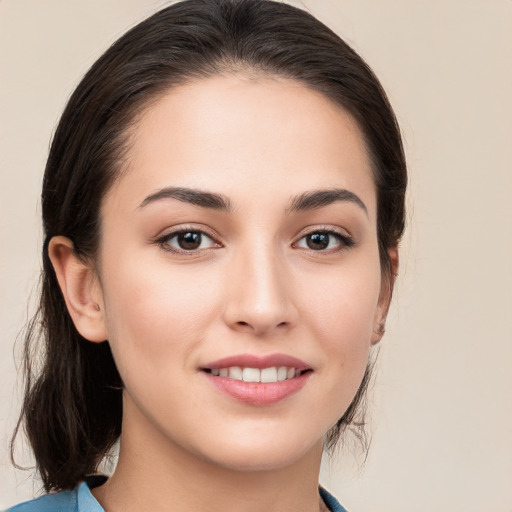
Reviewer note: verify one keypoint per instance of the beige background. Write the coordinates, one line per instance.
(442, 405)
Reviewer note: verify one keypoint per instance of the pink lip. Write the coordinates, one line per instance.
(252, 361)
(258, 393)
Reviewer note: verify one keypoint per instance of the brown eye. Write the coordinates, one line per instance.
(186, 241)
(325, 241)
(189, 241)
(318, 241)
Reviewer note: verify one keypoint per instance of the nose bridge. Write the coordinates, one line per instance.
(260, 297)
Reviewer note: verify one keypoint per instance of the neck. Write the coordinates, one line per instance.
(156, 474)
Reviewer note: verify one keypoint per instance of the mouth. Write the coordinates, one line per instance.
(258, 380)
(265, 375)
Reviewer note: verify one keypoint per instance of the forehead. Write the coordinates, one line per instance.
(245, 136)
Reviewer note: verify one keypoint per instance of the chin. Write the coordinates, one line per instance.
(263, 454)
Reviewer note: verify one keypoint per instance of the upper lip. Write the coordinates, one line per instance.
(254, 361)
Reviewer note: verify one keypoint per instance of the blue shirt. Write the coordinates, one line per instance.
(81, 499)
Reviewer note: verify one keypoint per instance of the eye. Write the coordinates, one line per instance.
(187, 240)
(324, 240)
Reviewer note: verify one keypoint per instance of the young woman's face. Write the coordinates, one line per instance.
(240, 245)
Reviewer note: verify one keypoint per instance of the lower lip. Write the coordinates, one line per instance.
(259, 393)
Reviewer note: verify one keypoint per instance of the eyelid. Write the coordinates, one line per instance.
(170, 233)
(345, 239)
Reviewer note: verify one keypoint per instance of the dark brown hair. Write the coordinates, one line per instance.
(72, 409)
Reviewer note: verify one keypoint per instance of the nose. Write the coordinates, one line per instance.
(260, 296)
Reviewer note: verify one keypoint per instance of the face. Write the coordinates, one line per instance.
(238, 245)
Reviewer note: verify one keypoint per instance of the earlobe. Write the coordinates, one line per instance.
(386, 293)
(81, 289)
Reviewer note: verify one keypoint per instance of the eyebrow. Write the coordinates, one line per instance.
(320, 198)
(307, 201)
(190, 195)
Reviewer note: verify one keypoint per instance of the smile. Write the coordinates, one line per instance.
(271, 374)
(258, 380)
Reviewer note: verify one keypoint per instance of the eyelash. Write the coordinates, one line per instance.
(164, 240)
(345, 241)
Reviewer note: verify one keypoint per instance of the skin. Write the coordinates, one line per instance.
(253, 286)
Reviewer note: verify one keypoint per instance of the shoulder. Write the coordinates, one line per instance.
(332, 503)
(65, 501)
(79, 499)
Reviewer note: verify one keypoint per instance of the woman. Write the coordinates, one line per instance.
(222, 205)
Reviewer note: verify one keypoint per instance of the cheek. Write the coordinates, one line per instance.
(341, 314)
(341, 304)
(156, 314)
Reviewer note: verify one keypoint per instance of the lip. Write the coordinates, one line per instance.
(258, 393)
(253, 361)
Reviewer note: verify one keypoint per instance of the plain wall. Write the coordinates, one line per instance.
(442, 402)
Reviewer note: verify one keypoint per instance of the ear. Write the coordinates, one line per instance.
(81, 289)
(386, 292)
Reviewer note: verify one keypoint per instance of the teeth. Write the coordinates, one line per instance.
(282, 373)
(251, 375)
(268, 375)
(272, 374)
(235, 373)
